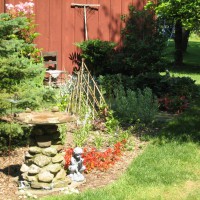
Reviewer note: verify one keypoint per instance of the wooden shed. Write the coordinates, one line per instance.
(61, 23)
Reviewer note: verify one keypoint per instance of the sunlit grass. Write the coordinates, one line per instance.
(169, 171)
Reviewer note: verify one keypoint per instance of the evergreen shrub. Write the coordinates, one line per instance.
(131, 106)
(21, 68)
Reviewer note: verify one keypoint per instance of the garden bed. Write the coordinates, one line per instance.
(94, 179)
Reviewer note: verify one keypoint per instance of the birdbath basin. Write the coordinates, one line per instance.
(45, 117)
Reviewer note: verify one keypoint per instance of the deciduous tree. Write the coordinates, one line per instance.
(186, 16)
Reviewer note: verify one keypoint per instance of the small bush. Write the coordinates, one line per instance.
(97, 55)
(13, 132)
(130, 106)
(110, 82)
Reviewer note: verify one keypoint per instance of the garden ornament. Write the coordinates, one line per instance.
(76, 166)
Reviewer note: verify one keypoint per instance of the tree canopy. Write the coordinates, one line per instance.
(185, 15)
(188, 12)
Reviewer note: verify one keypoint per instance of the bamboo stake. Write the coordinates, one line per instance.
(77, 91)
(94, 82)
(80, 87)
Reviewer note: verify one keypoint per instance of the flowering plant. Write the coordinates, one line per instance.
(176, 104)
(21, 9)
(94, 159)
(25, 11)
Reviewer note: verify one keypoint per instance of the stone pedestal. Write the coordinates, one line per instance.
(43, 166)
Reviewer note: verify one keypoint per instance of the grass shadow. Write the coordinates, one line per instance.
(191, 58)
(182, 128)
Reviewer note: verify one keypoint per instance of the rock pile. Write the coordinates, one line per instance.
(43, 166)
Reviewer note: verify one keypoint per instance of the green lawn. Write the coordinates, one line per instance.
(191, 60)
(170, 171)
(169, 168)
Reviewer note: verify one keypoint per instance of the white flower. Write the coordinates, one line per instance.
(9, 6)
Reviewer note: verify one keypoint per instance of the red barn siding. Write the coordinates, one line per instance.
(60, 25)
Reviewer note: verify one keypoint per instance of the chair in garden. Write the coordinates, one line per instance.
(50, 60)
(53, 77)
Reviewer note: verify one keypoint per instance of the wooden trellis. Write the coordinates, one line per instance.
(85, 92)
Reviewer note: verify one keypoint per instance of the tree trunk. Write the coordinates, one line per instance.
(178, 44)
(185, 38)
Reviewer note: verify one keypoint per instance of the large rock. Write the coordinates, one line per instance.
(50, 151)
(61, 175)
(42, 160)
(41, 185)
(45, 176)
(53, 168)
(32, 178)
(58, 158)
(62, 183)
(35, 150)
(24, 168)
(43, 141)
(34, 169)
(28, 155)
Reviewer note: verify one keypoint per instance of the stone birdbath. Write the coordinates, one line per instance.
(43, 166)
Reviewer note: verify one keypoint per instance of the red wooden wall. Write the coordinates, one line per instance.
(60, 25)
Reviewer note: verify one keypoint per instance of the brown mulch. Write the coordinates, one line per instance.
(10, 164)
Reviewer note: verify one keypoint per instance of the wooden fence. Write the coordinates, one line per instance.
(61, 25)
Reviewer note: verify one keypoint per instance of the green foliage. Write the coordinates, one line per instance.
(112, 124)
(62, 128)
(109, 82)
(187, 12)
(130, 106)
(167, 85)
(13, 132)
(97, 55)
(81, 135)
(63, 96)
(182, 86)
(143, 44)
(21, 72)
(98, 141)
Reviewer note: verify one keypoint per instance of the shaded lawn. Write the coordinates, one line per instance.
(183, 128)
(191, 67)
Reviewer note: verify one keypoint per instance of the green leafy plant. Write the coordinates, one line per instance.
(81, 135)
(98, 141)
(130, 106)
(62, 128)
(112, 124)
(13, 133)
(97, 54)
